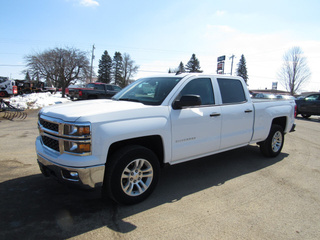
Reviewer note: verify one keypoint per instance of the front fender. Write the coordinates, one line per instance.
(105, 134)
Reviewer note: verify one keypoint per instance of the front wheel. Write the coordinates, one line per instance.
(131, 175)
(272, 146)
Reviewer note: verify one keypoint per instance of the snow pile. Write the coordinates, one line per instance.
(37, 100)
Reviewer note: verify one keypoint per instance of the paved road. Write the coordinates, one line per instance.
(234, 195)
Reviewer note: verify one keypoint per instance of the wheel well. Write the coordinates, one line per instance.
(154, 143)
(282, 121)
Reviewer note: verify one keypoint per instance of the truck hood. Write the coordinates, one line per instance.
(102, 110)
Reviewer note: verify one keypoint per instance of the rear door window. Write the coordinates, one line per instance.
(231, 91)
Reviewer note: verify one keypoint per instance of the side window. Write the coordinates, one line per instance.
(231, 91)
(109, 87)
(313, 97)
(99, 87)
(201, 87)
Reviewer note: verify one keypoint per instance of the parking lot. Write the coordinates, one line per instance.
(235, 195)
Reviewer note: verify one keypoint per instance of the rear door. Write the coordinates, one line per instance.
(236, 113)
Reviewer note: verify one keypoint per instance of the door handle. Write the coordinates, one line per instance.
(215, 114)
(248, 111)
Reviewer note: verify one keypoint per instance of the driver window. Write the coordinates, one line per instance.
(201, 87)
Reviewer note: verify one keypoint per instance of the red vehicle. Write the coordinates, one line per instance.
(93, 91)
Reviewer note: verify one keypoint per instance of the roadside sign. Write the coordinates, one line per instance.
(221, 58)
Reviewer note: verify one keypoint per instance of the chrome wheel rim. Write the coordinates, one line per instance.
(277, 141)
(136, 178)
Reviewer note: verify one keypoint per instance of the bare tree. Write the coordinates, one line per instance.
(294, 72)
(129, 69)
(60, 67)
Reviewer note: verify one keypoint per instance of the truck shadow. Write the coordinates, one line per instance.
(311, 119)
(36, 207)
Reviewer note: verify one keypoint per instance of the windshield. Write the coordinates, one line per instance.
(149, 91)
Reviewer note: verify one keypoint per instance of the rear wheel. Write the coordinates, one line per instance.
(272, 146)
(306, 116)
(131, 175)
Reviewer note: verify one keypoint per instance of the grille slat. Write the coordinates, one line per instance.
(49, 125)
(51, 143)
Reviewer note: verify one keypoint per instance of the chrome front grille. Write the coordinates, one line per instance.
(56, 135)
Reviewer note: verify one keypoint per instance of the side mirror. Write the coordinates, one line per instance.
(187, 101)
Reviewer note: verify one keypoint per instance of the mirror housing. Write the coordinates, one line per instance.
(187, 101)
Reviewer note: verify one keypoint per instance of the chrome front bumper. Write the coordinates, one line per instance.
(85, 177)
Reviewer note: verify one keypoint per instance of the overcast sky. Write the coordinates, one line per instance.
(159, 34)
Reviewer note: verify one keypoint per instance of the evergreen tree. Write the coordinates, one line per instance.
(181, 68)
(193, 65)
(242, 69)
(105, 67)
(117, 68)
(27, 77)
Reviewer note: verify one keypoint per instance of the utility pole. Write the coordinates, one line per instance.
(92, 57)
(232, 62)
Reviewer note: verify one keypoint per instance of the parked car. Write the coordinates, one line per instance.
(310, 105)
(94, 91)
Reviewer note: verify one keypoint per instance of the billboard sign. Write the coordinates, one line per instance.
(220, 65)
(221, 58)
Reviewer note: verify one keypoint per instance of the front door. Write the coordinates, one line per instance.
(196, 129)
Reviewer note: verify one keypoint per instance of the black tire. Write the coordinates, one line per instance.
(3, 94)
(131, 175)
(306, 116)
(272, 146)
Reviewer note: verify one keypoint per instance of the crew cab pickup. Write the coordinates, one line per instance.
(121, 143)
(93, 91)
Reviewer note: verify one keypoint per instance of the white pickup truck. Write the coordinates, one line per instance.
(121, 143)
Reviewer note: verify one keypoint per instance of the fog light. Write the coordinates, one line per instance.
(72, 176)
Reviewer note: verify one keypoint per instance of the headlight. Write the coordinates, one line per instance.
(77, 147)
(77, 130)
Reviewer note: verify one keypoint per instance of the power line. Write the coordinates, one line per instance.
(11, 65)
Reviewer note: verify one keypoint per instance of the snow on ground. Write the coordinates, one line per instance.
(37, 100)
